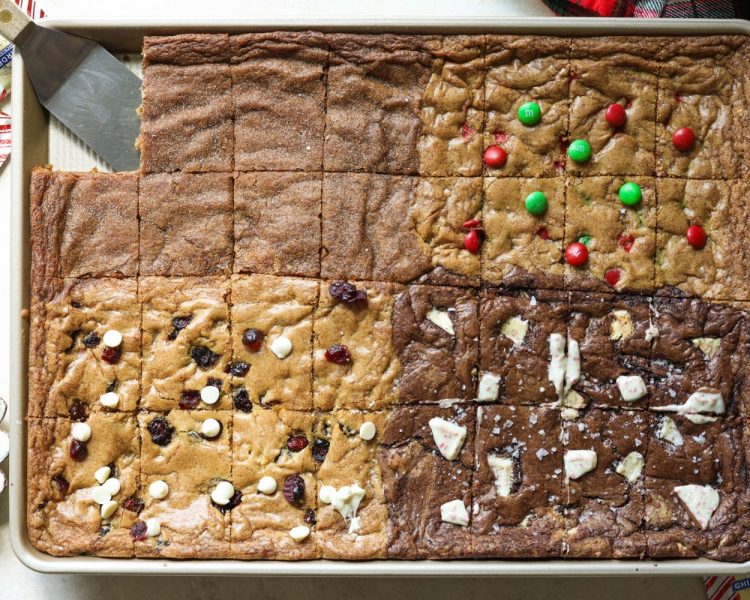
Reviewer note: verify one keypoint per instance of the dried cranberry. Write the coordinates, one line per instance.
(203, 356)
(138, 531)
(346, 292)
(91, 340)
(178, 324)
(338, 354)
(294, 489)
(296, 443)
(77, 411)
(234, 501)
(78, 450)
(626, 241)
(543, 233)
(241, 400)
(252, 339)
(111, 355)
(238, 369)
(214, 381)
(62, 483)
(189, 399)
(113, 470)
(320, 449)
(310, 517)
(161, 431)
(133, 504)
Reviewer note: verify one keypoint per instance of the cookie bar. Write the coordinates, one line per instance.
(276, 78)
(186, 114)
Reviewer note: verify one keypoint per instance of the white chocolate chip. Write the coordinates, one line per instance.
(109, 400)
(281, 347)
(572, 365)
(108, 509)
(112, 485)
(504, 470)
(455, 512)
(579, 462)
(81, 432)
(701, 419)
(346, 500)
(112, 338)
(515, 329)
(367, 430)
(326, 494)
(574, 400)
(489, 387)
(632, 387)
(449, 437)
(442, 319)
(222, 493)
(556, 372)
(669, 432)
(153, 527)
(4, 446)
(621, 326)
(210, 394)
(701, 500)
(267, 485)
(158, 489)
(299, 533)
(631, 466)
(100, 495)
(210, 428)
(569, 414)
(705, 400)
(708, 346)
(102, 474)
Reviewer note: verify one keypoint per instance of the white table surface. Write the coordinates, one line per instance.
(19, 583)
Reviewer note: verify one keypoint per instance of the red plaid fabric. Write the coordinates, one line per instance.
(647, 9)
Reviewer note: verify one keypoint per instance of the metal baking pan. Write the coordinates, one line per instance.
(38, 139)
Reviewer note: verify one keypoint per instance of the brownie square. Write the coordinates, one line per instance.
(186, 344)
(352, 460)
(83, 224)
(63, 519)
(518, 516)
(277, 77)
(186, 113)
(438, 360)
(186, 224)
(375, 89)
(514, 339)
(606, 71)
(67, 365)
(522, 69)
(367, 382)
(277, 223)
(614, 340)
(278, 307)
(521, 249)
(620, 238)
(604, 508)
(191, 465)
(452, 114)
(260, 448)
(418, 480)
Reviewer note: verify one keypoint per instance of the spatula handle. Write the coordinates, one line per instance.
(12, 20)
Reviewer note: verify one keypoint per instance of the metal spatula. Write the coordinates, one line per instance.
(82, 84)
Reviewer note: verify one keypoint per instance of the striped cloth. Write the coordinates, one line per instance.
(727, 588)
(651, 9)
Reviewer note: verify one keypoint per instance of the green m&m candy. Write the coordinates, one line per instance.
(529, 113)
(579, 151)
(536, 203)
(630, 193)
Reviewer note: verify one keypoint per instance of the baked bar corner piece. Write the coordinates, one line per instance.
(186, 342)
(186, 224)
(183, 520)
(523, 69)
(272, 335)
(65, 517)
(70, 366)
(83, 224)
(186, 113)
(274, 458)
(523, 250)
(352, 518)
(518, 488)
(277, 223)
(278, 89)
(620, 239)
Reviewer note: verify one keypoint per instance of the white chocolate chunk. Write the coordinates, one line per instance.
(346, 501)
(108, 509)
(222, 493)
(708, 346)
(210, 428)
(4, 446)
(701, 419)
(281, 347)
(652, 332)
(153, 527)
(574, 400)
(102, 474)
(489, 387)
(158, 489)
(572, 365)
(267, 485)
(455, 512)
(579, 462)
(109, 400)
(210, 394)
(112, 485)
(112, 338)
(449, 437)
(669, 432)
(299, 533)
(81, 432)
(632, 387)
(515, 329)
(569, 414)
(442, 319)
(705, 400)
(621, 326)
(556, 372)
(367, 430)
(701, 500)
(631, 466)
(504, 470)
(326, 494)
(100, 495)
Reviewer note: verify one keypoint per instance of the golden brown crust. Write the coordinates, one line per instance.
(186, 49)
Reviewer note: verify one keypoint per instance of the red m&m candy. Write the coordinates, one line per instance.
(616, 115)
(472, 241)
(495, 156)
(576, 254)
(683, 139)
(696, 236)
(612, 277)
